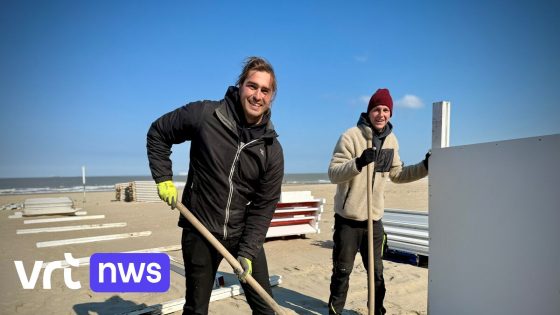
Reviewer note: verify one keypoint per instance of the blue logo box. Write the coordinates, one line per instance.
(129, 272)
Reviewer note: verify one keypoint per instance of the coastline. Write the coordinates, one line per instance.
(58, 184)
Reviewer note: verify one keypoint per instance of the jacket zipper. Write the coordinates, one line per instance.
(230, 180)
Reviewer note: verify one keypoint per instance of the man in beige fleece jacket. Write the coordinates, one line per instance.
(347, 169)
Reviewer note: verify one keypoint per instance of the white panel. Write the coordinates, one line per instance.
(495, 228)
(440, 124)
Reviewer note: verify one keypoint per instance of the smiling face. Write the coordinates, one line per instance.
(379, 116)
(255, 94)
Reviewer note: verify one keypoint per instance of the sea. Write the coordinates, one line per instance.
(49, 185)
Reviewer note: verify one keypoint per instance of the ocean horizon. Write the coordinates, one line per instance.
(58, 184)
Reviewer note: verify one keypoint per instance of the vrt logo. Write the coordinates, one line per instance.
(29, 283)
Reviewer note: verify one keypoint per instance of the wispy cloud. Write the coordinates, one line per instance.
(361, 58)
(410, 101)
(360, 101)
(364, 99)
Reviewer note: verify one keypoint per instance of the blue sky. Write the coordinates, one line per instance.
(81, 81)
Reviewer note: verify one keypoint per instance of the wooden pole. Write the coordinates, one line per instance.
(371, 254)
(229, 258)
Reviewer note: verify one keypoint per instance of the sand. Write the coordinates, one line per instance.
(304, 263)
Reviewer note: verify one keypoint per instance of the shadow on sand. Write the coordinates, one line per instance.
(303, 304)
(329, 244)
(113, 305)
(299, 303)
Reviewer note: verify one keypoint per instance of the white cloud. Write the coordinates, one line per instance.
(362, 58)
(359, 101)
(364, 99)
(410, 101)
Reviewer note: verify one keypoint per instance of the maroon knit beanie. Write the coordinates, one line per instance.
(381, 97)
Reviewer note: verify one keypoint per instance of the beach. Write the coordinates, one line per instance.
(303, 263)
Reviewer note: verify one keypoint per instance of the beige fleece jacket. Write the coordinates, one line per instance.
(350, 200)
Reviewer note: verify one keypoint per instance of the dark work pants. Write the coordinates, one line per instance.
(349, 237)
(201, 264)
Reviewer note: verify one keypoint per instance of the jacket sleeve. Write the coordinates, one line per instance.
(342, 167)
(262, 207)
(172, 128)
(401, 174)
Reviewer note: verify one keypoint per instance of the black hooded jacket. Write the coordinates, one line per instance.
(235, 171)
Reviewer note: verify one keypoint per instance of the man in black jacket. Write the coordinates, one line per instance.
(234, 180)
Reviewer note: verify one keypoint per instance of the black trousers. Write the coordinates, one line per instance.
(349, 237)
(201, 264)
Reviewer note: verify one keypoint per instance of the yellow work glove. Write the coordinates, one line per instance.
(247, 265)
(168, 193)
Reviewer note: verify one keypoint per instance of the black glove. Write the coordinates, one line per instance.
(426, 158)
(369, 155)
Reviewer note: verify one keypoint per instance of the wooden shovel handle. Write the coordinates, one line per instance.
(371, 254)
(230, 259)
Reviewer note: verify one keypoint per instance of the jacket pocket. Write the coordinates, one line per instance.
(346, 197)
(384, 160)
(190, 191)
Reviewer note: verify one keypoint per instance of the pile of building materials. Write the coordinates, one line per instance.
(145, 191)
(297, 213)
(12, 206)
(140, 191)
(123, 192)
(407, 231)
(47, 206)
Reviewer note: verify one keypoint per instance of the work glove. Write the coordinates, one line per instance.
(168, 193)
(369, 155)
(426, 158)
(247, 265)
